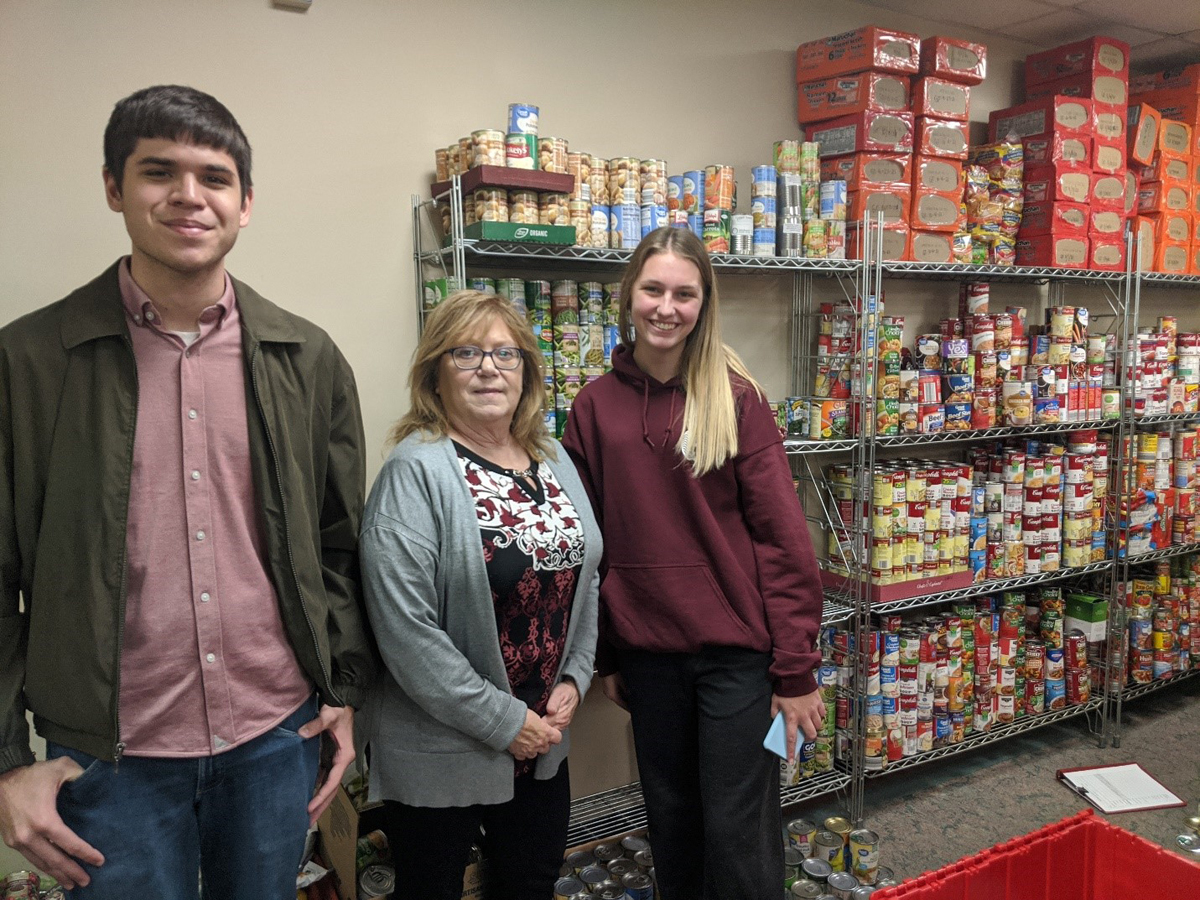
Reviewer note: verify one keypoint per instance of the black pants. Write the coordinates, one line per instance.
(523, 842)
(711, 790)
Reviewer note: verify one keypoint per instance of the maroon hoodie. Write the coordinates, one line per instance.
(722, 560)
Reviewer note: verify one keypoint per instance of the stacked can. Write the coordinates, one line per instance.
(613, 870)
(763, 192)
(487, 148)
(789, 239)
(564, 337)
(552, 154)
(598, 191)
(1163, 509)
(579, 201)
(1164, 367)
(652, 175)
(591, 330)
(521, 141)
(624, 196)
(718, 203)
(815, 756)
(833, 214)
(692, 200)
(612, 313)
(1164, 621)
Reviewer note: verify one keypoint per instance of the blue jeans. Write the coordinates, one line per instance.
(237, 820)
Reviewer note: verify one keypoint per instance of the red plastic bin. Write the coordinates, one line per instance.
(1083, 857)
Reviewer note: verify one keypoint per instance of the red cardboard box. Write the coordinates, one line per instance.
(1065, 252)
(931, 173)
(1064, 115)
(931, 247)
(1173, 78)
(1167, 167)
(1112, 90)
(893, 200)
(1163, 197)
(1131, 191)
(1056, 182)
(1142, 123)
(865, 49)
(870, 130)
(1105, 223)
(1101, 55)
(1108, 156)
(954, 59)
(1107, 192)
(941, 99)
(1107, 253)
(895, 242)
(1057, 147)
(832, 97)
(1181, 104)
(941, 137)
(1108, 122)
(937, 211)
(877, 168)
(1051, 217)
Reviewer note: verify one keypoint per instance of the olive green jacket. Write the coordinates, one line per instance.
(68, 411)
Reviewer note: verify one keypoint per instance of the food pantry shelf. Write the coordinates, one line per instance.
(997, 733)
(1133, 691)
(836, 610)
(961, 272)
(995, 586)
(1164, 553)
(1166, 419)
(798, 446)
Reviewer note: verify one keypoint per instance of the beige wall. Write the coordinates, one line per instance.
(344, 105)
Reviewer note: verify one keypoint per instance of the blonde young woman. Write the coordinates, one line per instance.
(479, 559)
(711, 601)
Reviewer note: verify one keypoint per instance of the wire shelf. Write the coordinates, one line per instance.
(816, 786)
(1166, 419)
(1169, 278)
(1133, 691)
(997, 734)
(958, 271)
(1165, 553)
(798, 446)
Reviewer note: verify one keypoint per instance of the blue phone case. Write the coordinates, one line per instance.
(776, 739)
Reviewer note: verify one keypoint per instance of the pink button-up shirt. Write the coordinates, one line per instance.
(205, 662)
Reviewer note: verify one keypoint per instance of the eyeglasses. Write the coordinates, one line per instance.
(472, 357)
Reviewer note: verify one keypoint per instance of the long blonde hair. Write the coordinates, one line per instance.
(710, 430)
(463, 317)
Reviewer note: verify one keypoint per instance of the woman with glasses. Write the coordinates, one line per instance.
(480, 556)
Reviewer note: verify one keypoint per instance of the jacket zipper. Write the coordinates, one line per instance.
(287, 529)
(119, 745)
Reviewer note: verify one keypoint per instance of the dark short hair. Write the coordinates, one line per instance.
(176, 113)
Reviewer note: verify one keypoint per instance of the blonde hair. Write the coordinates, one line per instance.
(710, 430)
(463, 317)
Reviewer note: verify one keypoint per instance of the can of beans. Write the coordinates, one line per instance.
(552, 155)
(487, 148)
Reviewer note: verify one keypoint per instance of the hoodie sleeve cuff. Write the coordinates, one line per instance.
(795, 685)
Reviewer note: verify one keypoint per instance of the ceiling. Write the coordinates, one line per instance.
(1160, 33)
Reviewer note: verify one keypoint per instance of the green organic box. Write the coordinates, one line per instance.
(521, 233)
(1087, 607)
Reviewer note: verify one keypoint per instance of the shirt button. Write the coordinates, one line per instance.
(199, 535)
(195, 474)
(191, 414)
(204, 598)
(211, 658)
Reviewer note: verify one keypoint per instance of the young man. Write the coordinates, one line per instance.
(181, 483)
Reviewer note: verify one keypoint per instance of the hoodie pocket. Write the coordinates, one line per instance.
(670, 608)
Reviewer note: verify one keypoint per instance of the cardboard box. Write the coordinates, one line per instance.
(1100, 55)
(954, 59)
(1055, 217)
(1142, 122)
(941, 137)
(931, 247)
(1174, 137)
(1053, 250)
(1195, 267)
(1174, 227)
(895, 241)
(1167, 167)
(1173, 78)
(893, 200)
(1112, 90)
(1181, 105)
(1109, 122)
(863, 50)
(867, 131)
(1170, 256)
(1131, 191)
(1106, 253)
(1057, 182)
(1106, 223)
(937, 211)
(1087, 613)
(832, 97)
(1163, 197)
(1064, 115)
(1108, 156)
(931, 173)
(1057, 147)
(1107, 192)
(941, 99)
(877, 168)
(1145, 244)
(518, 232)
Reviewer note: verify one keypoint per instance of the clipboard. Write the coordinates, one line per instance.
(1119, 787)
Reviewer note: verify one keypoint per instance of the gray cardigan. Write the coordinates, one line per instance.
(441, 717)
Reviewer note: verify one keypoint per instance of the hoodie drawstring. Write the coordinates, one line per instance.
(646, 416)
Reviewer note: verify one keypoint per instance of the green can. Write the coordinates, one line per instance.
(513, 289)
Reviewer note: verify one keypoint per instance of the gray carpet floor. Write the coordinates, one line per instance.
(932, 815)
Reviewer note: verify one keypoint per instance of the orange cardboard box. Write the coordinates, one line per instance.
(1144, 242)
(1064, 115)
(895, 241)
(1101, 55)
(931, 173)
(937, 210)
(1142, 127)
(1172, 256)
(867, 131)
(1171, 227)
(1107, 252)
(1065, 252)
(893, 200)
(954, 59)
(879, 168)
(1099, 86)
(1108, 156)
(1174, 137)
(1057, 182)
(1167, 167)
(1194, 269)
(1131, 191)
(941, 99)
(1181, 104)
(1055, 217)
(832, 97)
(1164, 197)
(1057, 147)
(863, 50)
(941, 137)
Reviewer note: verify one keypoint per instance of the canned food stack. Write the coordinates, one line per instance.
(994, 199)
(1163, 125)
(624, 197)
(1164, 620)
(815, 756)
(1162, 510)
(764, 192)
(834, 859)
(986, 662)
(717, 204)
(1165, 367)
(616, 870)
